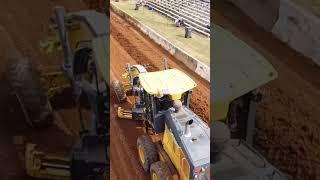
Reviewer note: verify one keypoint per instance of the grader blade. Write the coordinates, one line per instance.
(124, 114)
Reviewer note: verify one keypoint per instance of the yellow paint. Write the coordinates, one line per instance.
(175, 177)
(219, 110)
(124, 114)
(175, 96)
(154, 176)
(141, 154)
(161, 158)
(126, 79)
(176, 155)
(171, 81)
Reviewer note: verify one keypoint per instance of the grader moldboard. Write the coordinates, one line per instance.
(238, 72)
(177, 141)
(83, 37)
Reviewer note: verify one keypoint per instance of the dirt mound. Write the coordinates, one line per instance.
(288, 132)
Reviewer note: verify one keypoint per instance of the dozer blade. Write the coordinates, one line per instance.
(124, 114)
(42, 165)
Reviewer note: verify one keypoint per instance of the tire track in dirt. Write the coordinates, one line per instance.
(123, 133)
(123, 160)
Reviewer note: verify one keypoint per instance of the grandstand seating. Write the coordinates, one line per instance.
(196, 13)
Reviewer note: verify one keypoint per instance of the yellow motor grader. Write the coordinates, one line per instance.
(177, 141)
(83, 36)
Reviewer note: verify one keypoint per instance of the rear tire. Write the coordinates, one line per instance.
(147, 152)
(118, 89)
(159, 170)
(26, 84)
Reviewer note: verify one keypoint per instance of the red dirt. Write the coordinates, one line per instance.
(128, 45)
(144, 51)
(27, 23)
(288, 118)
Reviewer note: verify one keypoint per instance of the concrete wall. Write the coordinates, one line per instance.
(299, 28)
(288, 21)
(192, 63)
(263, 12)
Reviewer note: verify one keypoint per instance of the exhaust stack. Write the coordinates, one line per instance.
(187, 131)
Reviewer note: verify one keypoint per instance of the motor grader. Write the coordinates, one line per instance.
(238, 72)
(177, 142)
(83, 37)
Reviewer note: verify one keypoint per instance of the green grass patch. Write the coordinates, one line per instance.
(198, 46)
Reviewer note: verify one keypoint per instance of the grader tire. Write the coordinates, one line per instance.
(147, 152)
(159, 170)
(118, 89)
(26, 84)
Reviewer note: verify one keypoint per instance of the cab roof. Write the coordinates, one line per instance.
(237, 70)
(166, 82)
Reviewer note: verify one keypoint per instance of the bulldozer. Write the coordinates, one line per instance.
(176, 143)
(83, 37)
(238, 73)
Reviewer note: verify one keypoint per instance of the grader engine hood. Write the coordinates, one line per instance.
(196, 142)
(237, 70)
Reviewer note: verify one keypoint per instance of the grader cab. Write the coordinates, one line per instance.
(179, 145)
(238, 73)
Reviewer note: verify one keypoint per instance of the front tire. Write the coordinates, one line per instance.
(147, 152)
(160, 171)
(26, 84)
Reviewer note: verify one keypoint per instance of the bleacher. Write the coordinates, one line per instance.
(195, 13)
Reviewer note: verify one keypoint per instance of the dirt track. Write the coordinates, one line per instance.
(127, 46)
(289, 116)
(130, 46)
(27, 23)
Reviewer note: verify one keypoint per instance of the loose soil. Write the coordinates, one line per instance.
(288, 118)
(27, 23)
